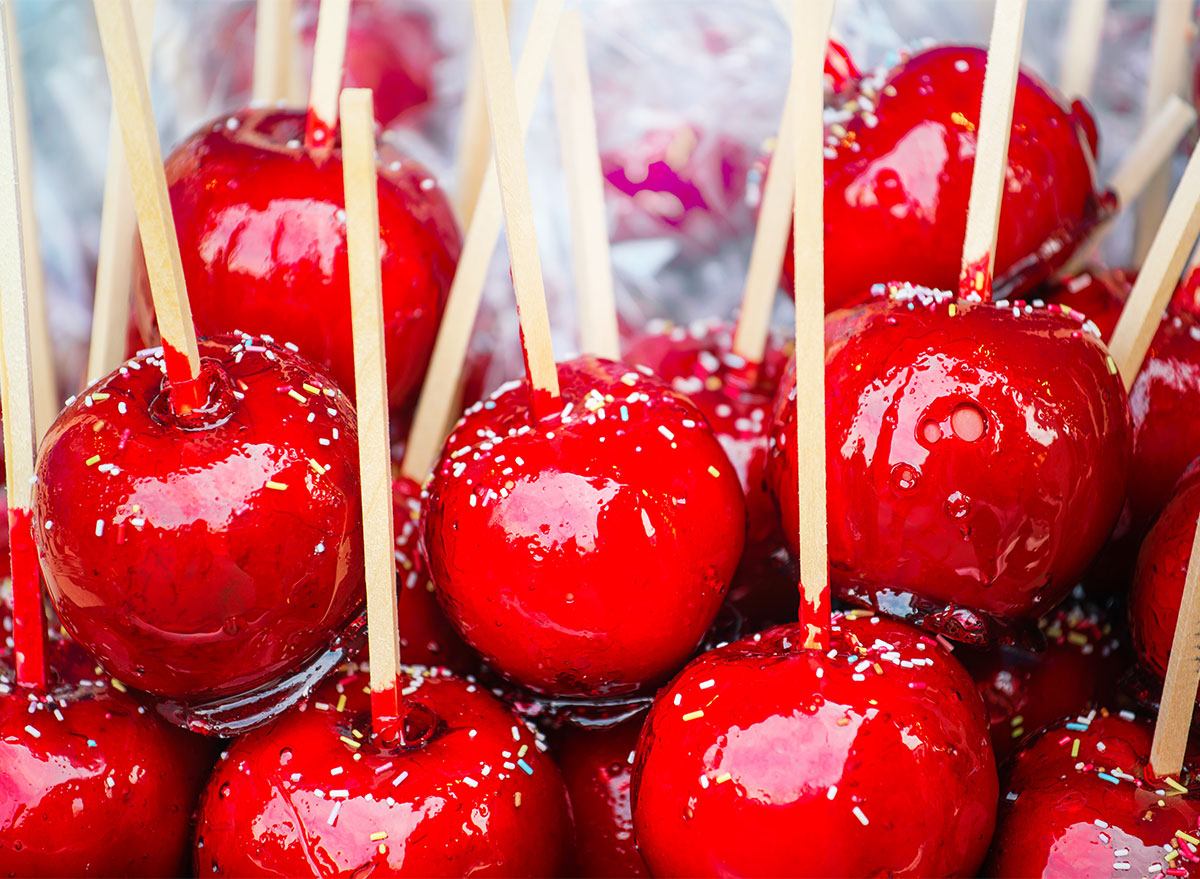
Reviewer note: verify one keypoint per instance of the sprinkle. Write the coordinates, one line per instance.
(33, 731)
(662, 428)
(349, 741)
(341, 704)
(315, 391)
(339, 794)
(378, 835)
(1075, 748)
(92, 460)
(858, 813)
(694, 715)
(316, 468)
(1112, 365)
(399, 778)
(525, 767)
(299, 397)
(99, 527)
(1173, 783)
(100, 395)
(713, 471)
(1187, 837)
(516, 734)
(118, 686)
(337, 807)
(470, 782)
(337, 770)
(277, 486)
(1077, 727)
(1108, 778)
(1120, 865)
(832, 792)
(704, 685)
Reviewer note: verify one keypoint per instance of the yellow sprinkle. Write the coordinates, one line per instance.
(1187, 837)
(341, 702)
(92, 460)
(1172, 855)
(979, 280)
(1017, 721)
(118, 686)
(1173, 783)
(99, 395)
(1075, 748)
(382, 849)
(713, 470)
(1077, 638)
(330, 392)
(349, 741)
(296, 395)
(693, 715)
(723, 777)
(277, 486)
(316, 468)
(378, 835)
(952, 309)
(312, 389)
(878, 669)
(1112, 366)
(356, 734)
(524, 750)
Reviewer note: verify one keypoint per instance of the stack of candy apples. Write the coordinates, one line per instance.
(912, 590)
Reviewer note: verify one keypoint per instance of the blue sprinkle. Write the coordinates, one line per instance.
(1082, 727)
(91, 743)
(624, 413)
(525, 766)
(1109, 778)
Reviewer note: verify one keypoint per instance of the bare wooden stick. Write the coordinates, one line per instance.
(439, 394)
(991, 152)
(45, 386)
(118, 225)
(474, 143)
(770, 241)
(131, 97)
(1159, 275)
(1169, 48)
(508, 151)
(1081, 47)
(370, 379)
(329, 58)
(274, 51)
(1150, 151)
(585, 191)
(811, 20)
(1174, 721)
(16, 388)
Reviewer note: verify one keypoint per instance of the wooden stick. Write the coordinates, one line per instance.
(118, 226)
(370, 378)
(131, 97)
(811, 20)
(439, 394)
(474, 143)
(1150, 151)
(45, 387)
(991, 151)
(1174, 721)
(585, 191)
(274, 51)
(1159, 275)
(1168, 76)
(508, 150)
(16, 390)
(1081, 48)
(770, 242)
(329, 57)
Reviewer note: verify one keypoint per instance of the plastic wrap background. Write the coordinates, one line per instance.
(715, 67)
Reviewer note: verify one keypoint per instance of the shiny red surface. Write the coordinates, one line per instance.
(204, 580)
(426, 636)
(262, 231)
(1072, 662)
(1099, 294)
(28, 608)
(469, 794)
(1059, 818)
(1185, 301)
(1161, 568)
(976, 458)
(597, 767)
(753, 761)
(737, 399)
(585, 554)
(102, 788)
(840, 70)
(900, 152)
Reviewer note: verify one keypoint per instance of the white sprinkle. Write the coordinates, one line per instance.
(33, 731)
(399, 778)
(832, 792)
(662, 428)
(862, 819)
(337, 807)
(99, 527)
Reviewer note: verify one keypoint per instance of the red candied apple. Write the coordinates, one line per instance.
(585, 554)
(737, 399)
(262, 229)
(457, 786)
(91, 782)
(1080, 802)
(426, 636)
(1161, 569)
(1072, 662)
(597, 766)
(900, 153)
(977, 456)
(765, 759)
(203, 555)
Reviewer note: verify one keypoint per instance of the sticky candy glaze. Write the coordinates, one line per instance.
(765, 759)
(459, 787)
(899, 156)
(597, 766)
(203, 555)
(976, 457)
(587, 553)
(262, 230)
(1078, 802)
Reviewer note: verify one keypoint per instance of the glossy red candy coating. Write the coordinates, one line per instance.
(1059, 817)
(1185, 301)
(1099, 294)
(1074, 664)
(737, 399)
(976, 459)
(262, 231)
(1161, 569)
(899, 157)
(840, 70)
(597, 766)
(426, 636)
(103, 787)
(204, 556)
(765, 759)
(472, 794)
(586, 554)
